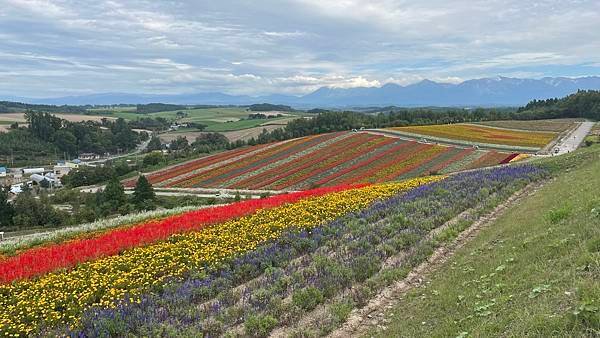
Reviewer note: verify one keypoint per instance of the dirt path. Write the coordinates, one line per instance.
(373, 314)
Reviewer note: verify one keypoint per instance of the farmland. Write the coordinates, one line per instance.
(481, 134)
(285, 256)
(556, 125)
(269, 265)
(219, 119)
(324, 160)
(8, 118)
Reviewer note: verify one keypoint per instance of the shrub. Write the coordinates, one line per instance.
(340, 311)
(556, 215)
(308, 298)
(259, 325)
(364, 267)
(212, 327)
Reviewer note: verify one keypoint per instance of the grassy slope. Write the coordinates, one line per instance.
(525, 275)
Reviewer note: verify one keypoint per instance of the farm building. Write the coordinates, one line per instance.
(31, 171)
(88, 156)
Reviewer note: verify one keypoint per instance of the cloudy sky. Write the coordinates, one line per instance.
(73, 47)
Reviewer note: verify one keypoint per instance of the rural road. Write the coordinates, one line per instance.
(572, 141)
(140, 148)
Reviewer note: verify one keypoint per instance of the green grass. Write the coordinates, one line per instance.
(216, 119)
(239, 125)
(535, 272)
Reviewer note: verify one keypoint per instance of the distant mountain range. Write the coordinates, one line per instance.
(498, 91)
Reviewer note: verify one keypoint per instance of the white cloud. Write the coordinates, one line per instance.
(288, 46)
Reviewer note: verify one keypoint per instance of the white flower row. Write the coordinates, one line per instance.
(14, 243)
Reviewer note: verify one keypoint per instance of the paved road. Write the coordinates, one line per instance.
(139, 149)
(572, 141)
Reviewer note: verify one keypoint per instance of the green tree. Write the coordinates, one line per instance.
(154, 144)
(66, 141)
(30, 212)
(7, 212)
(143, 194)
(113, 196)
(153, 159)
(179, 144)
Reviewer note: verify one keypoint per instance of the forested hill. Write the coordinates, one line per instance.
(18, 107)
(584, 103)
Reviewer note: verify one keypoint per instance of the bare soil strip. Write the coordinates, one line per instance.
(373, 314)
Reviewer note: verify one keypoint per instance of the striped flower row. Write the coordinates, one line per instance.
(59, 298)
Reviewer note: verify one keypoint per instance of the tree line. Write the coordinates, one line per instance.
(27, 211)
(583, 104)
(48, 136)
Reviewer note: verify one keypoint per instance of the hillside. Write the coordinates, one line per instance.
(533, 271)
(300, 263)
(583, 104)
(325, 160)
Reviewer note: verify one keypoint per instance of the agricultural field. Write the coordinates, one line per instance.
(232, 136)
(216, 119)
(556, 125)
(20, 117)
(481, 135)
(246, 268)
(324, 160)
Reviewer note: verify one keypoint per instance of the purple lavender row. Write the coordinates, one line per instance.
(177, 308)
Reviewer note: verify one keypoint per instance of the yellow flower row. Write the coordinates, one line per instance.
(520, 157)
(479, 133)
(60, 297)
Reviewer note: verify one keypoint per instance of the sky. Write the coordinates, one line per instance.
(78, 47)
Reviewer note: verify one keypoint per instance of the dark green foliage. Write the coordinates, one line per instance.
(197, 126)
(143, 194)
(113, 196)
(179, 144)
(210, 141)
(157, 107)
(149, 123)
(269, 107)
(85, 175)
(584, 103)
(74, 138)
(31, 212)
(49, 138)
(17, 107)
(20, 146)
(153, 159)
(6, 209)
(154, 144)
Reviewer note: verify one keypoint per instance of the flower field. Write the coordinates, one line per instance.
(321, 252)
(324, 160)
(52, 284)
(555, 125)
(482, 134)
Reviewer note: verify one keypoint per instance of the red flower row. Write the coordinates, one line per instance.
(41, 260)
(366, 148)
(292, 167)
